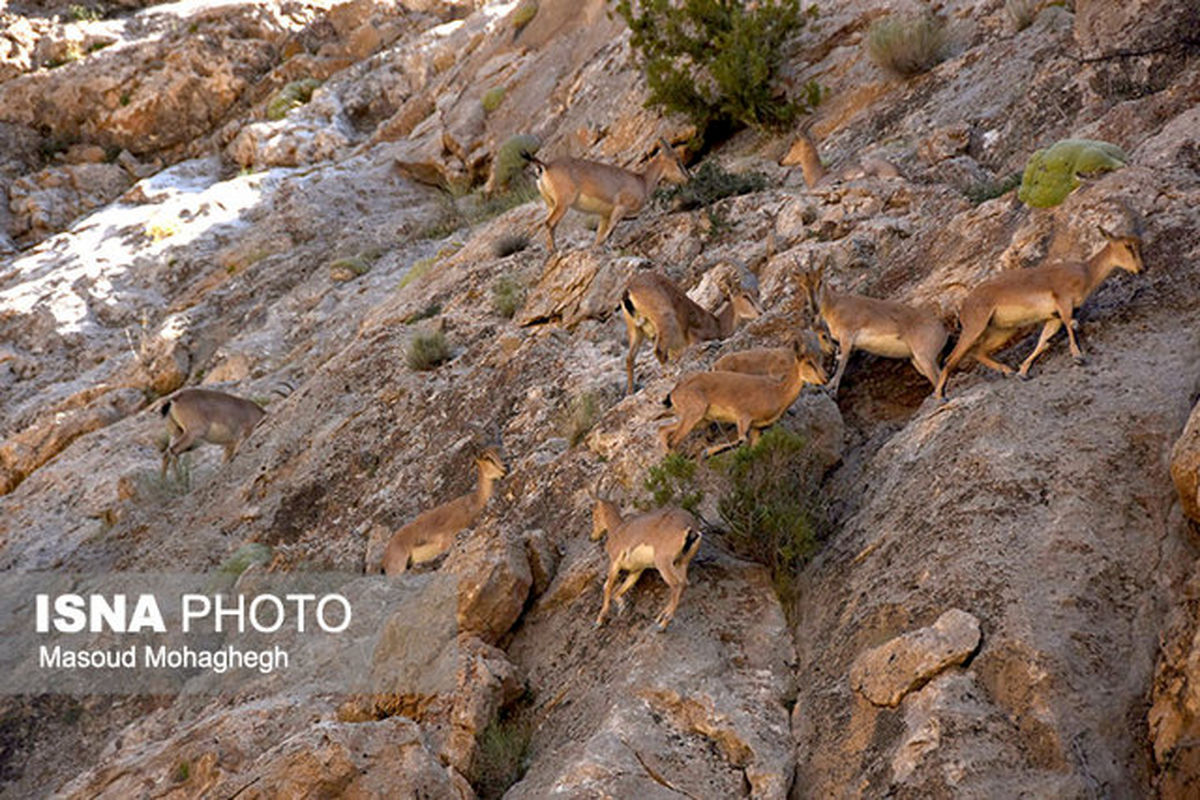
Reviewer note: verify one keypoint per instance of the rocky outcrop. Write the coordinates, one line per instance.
(1185, 466)
(885, 674)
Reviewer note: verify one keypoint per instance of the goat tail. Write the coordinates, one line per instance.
(532, 159)
(691, 543)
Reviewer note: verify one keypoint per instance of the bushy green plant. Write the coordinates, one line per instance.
(1053, 173)
(907, 44)
(160, 489)
(982, 192)
(523, 14)
(349, 268)
(428, 312)
(671, 482)
(81, 13)
(492, 99)
(715, 61)
(771, 506)
(711, 182)
(294, 95)
(509, 162)
(508, 294)
(427, 351)
(502, 755)
(246, 555)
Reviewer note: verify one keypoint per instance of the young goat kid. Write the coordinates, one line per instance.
(1000, 306)
(751, 402)
(654, 307)
(433, 531)
(666, 539)
(612, 192)
(194, 416)
(774, 361)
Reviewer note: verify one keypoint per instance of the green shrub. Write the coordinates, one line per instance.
(710, 183)
(347, 269)
(508, 294)
(668, 484)
(580, 416)
(427, 351)
(502, 756)
(1053, 173)
(294, 95)
(246, 555)
(428, 312)
(492, 99)
(156, 488)
(770, 508)
(715, 61)
(82, 13)
(181, 772)
(509, 161)
(907, 44)
(523, 14)
(989, 190)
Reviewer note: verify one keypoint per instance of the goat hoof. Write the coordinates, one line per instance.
(1023, 376)
(1080, 359)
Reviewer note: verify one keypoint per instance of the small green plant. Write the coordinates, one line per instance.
(907, 44)
(579, 417)
(771, 507)
(293, 95)
(710, 183)
(714, 61)
(523, 14)
(244, 557)
(181, 772)
(509, 161)
(988, 190)
(427, 351)
(510, 243)
(99, 45)
(82, 13)
(1053, 173)
(158, 489)
(428, 312)
(347, 269)
(124, 99)
(502, 755)
(669, 482)
(508, 295)
(492, 99)
(417, 271)
(1022, 13)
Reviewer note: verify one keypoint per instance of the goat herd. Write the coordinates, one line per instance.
(751, 389)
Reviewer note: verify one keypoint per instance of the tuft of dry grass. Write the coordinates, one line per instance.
(427, 351)
(907, 45)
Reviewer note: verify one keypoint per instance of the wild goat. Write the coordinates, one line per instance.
(194, 416)
(997, 308)
(666, 539)
(751, 402)
(883, 327)
(804, 152)
(595, 188)
(774, 361)
(433, 531)
(653, 306)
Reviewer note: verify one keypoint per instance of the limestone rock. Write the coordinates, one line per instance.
(1185, 466)
(494, 579)
(48, 201)
(885, 674)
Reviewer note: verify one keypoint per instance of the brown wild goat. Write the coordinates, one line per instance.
(666, 539)
(883, 327)
(774, 361)
(997, 308)
(194, 416)
(751, 402)
(612, 192)
(433, 531)
(653, 306)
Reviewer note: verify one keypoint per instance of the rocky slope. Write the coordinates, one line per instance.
(161, 229)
